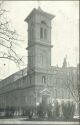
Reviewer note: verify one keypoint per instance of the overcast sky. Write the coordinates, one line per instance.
(65, 30)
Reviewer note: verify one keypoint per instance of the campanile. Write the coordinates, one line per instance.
(39, 39)
(39, 48)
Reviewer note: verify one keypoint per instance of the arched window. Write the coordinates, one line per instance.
(41, 33)
(56, 92)
(43, 22)
(43, 30)
(32, 33)
(43, 79)
(45, 33)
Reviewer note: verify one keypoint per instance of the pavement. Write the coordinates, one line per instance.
(24, 122)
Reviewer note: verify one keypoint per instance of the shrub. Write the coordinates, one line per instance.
(56, 112)
(68, 109)
(49, 110)
(30, 113)
(40, 110)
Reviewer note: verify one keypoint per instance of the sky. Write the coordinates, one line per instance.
(64, 32)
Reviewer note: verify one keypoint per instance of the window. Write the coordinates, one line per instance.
(45, 33)
(41, 32)
(32, 33)
(55, 92)
(43, 79)
(43, 22)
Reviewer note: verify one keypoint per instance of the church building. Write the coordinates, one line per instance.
(39, 82)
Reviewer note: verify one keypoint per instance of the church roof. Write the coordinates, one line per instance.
(40, 12)
(22, 73)
(12, 78)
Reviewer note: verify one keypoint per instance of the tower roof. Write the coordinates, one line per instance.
(40, 12)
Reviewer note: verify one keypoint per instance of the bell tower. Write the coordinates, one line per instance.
(39, 52)
(39, 39)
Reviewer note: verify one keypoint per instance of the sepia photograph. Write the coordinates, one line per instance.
(39, 62)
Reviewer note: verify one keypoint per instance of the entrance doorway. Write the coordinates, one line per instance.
(45, 99)
(45, 94)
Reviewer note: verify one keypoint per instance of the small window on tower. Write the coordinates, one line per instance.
(45, 34)
(41, 33)
(32, 33)
(43, 79)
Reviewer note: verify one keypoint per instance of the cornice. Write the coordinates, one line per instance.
(39, 43)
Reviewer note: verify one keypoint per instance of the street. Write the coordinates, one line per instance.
(23, 122)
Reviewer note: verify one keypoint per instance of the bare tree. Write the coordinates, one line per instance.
(8, 38)
(72, 84)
